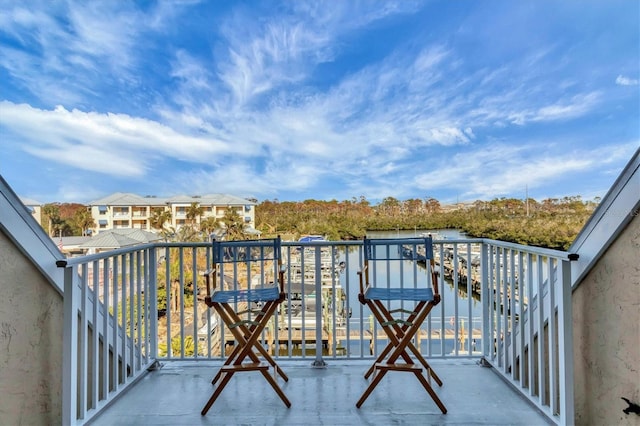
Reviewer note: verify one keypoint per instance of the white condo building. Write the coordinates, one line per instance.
(126, 210)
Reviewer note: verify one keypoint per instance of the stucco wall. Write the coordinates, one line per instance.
(606, 308)
(31, 313)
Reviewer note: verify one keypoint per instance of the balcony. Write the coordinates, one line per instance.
(505, 306)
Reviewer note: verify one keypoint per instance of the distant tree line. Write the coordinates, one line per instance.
(552, 223)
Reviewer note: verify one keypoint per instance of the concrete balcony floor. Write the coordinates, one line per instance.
(175, 394)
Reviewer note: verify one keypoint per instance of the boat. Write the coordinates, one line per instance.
(432, 234)
(205, 331)
(311, 238)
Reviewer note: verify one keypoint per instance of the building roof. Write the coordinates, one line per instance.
(70, 241)
(128, 199)
(30, 201)
(120, 237)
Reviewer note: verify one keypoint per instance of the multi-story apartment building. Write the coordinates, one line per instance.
(125, 210)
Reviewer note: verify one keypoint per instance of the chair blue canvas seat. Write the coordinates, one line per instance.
(409, 294)
(252, 295)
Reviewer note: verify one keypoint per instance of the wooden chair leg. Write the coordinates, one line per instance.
(217, 391)
(276, 388)
(376, 379)
(431, 392)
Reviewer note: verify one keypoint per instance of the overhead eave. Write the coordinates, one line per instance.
(617, 209)
(18, 224)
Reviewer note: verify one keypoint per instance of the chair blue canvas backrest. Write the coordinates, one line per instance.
(242, 250)
(255, 261)
(419, 249)
(399, 262)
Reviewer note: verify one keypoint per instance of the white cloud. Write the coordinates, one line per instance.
(499, 169)
(114, 144)
(626, 81)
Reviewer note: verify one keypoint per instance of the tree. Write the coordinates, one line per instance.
(187, 234)
(52, 213)
(390, 206)
(159, 217)
(194, 212)
(208, 225)
(234, 224)
(84, 221)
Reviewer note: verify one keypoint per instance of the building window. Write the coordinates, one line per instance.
(102, 209)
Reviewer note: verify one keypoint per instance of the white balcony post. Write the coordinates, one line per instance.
(565, 340)
(152, 287)
(486, 308)
(319, 362)
(70, 347)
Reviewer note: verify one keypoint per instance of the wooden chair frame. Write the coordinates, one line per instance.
(245, 332)
(395, 356)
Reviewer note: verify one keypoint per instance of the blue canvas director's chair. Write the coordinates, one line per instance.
(257, 288)
(382, 281)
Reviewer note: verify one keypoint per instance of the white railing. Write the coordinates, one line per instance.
(490, 310)
(109, 327)
(528, 314)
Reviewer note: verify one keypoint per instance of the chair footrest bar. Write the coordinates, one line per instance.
(404, 311)
(244, 322)
(396, 322)
(249, 366)
(398, 367)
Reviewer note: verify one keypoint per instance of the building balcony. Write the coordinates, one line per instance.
(500, 340)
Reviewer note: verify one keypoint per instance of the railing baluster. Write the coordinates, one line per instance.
(541, 338)
(114, 326)
(181, 300)
(139, 317)
(151, 288)
(95, 342)
(318, 362)
(530, 322)
(553, 381)
(83, 340)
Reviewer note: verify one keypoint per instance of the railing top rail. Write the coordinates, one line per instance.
(321, 243)
(533, 249)
(399, 240)
(116, 252)
(182, 244)
(73, 261)
(458, 240)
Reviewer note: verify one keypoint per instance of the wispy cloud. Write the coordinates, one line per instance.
(114, 144)
(626, 81)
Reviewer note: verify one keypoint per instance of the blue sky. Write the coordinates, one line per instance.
(455, 100)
